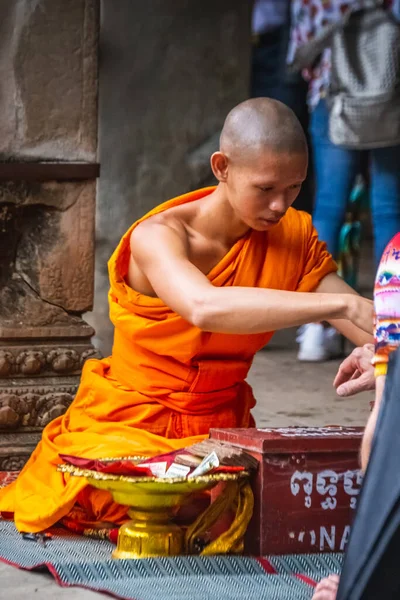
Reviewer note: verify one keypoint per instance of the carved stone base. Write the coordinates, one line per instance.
(16, 448)
(37, 384)
(34, 406)
(20, 360)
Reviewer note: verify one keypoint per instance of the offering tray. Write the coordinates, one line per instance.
(152, 502)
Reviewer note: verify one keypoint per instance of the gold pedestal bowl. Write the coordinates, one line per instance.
(153, 503)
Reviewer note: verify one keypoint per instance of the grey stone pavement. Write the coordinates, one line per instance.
(287, 392)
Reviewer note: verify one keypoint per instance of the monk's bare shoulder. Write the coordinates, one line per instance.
(165, 228)
(172, 237)
(150, 240)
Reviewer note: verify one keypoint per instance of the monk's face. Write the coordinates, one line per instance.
(262, 189)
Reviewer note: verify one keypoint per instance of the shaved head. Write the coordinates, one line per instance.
(261, 124)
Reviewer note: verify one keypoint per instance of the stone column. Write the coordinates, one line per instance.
(48, 143)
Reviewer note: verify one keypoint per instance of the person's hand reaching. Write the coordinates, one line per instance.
(360, 312)
(327, 588)
(356, 373)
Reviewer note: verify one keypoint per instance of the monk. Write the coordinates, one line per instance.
(198, 286)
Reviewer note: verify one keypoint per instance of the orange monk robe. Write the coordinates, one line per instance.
(167, 382)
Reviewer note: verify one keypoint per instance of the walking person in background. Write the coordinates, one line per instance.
(270, 77)
(336, 166)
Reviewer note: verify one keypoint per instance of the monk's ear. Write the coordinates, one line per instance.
(219, 166)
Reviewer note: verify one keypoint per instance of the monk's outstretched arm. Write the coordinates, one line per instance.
(333, 284)
(161, 254)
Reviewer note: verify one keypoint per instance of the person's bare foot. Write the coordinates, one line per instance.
(327, 588)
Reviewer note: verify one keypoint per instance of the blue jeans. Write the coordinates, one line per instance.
(336, 168)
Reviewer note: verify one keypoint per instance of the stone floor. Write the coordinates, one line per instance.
(293, 393)
(288, 393)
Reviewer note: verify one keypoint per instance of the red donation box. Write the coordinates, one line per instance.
(306, 487)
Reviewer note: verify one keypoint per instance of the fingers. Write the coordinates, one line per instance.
(369, 349)
(347, 368)
(356, 374)
(358, 361)
(327, 588)
(363, 383)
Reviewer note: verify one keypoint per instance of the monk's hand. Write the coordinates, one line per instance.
(327, 588)
(360, 311)
(356, 373)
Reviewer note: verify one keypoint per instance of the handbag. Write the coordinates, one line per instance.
(364, 93)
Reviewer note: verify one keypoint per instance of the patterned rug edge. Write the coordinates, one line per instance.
(64, 584)
(285, 570)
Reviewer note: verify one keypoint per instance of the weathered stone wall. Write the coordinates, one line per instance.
(170, 70)
(48, 113)
(48, 80)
